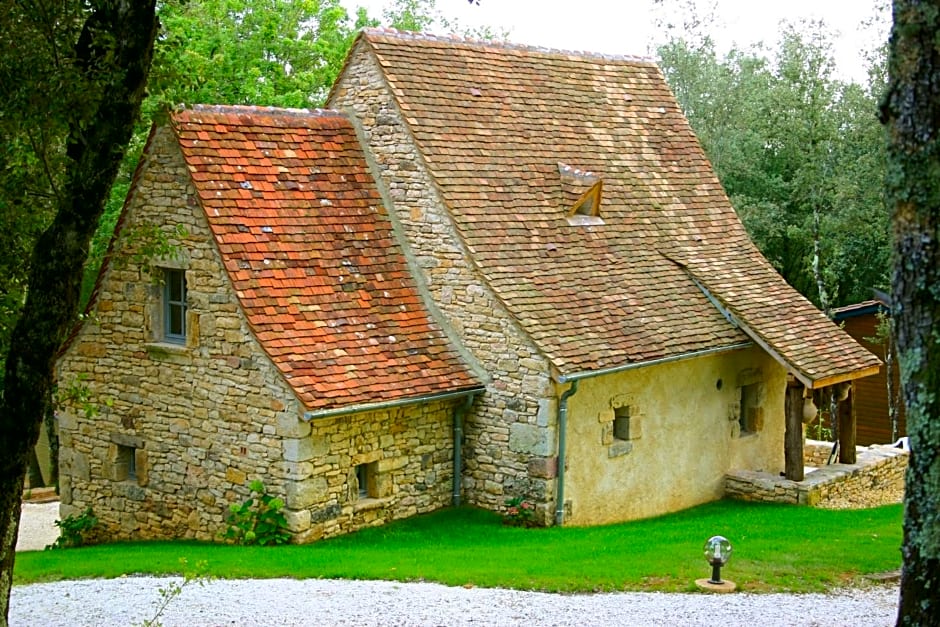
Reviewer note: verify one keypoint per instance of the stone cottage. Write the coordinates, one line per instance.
(573, 234)
(278, 337)
(578, 316)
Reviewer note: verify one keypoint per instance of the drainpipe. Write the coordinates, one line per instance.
(459, 412)
(562, 449)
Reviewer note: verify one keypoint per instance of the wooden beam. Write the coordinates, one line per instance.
(847, 428)
(793, 437)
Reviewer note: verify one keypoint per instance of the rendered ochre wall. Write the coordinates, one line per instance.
(684, 435)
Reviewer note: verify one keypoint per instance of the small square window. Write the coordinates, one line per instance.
(622, 423)
(174, 306)
(126, 463)
(365, 478)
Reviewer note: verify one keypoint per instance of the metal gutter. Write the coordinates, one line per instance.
(562, 451)
(459, 412)
(562, 378)
(354, 409)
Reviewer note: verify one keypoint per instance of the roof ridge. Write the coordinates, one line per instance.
(454, 38)
(262, 110)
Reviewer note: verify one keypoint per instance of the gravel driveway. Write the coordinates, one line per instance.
(131, 600)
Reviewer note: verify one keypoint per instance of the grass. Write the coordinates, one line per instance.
(776, 548)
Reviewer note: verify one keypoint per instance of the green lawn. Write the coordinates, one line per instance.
(776, 548)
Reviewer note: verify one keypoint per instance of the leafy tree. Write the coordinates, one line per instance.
(911, 113)
(799, 153)
(251, 52)
(73, 76)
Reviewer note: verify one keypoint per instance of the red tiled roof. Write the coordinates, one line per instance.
(494, 121)
(309, 248)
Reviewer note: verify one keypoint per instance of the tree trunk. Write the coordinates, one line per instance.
(911, 113)
(113, 55)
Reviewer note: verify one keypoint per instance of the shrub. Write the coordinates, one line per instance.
(519, 512)
(72, 530)
(258, 520)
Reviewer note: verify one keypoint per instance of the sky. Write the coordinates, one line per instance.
(629, 27)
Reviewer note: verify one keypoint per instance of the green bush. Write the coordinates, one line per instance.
(258, 520)
(72, 530)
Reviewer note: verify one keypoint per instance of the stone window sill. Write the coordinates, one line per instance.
(366, 504)
(619, 448)
(165, 349)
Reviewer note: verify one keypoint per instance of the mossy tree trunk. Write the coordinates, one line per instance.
(911, 113)
(104, 69)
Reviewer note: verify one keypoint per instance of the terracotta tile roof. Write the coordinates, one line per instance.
(494, 121)
(310, 252)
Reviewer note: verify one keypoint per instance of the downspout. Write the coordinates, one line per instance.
(459, 412)
(562, 450)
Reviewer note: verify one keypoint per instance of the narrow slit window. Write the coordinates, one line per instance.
(174, 306)
(365, 478)
(126, 463)
(749, 413)
(622, 424)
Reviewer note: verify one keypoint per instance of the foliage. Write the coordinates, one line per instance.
(78, 394)
(463, 546)
(519, 512)
(174, 589)
(251, 52)
(799, 153)
(73, 530)
(258, 520)
(72, 78)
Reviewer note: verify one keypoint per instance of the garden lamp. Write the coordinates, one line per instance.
(717, 553)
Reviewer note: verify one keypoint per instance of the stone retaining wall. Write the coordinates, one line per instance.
(876, 479)
(816, 453)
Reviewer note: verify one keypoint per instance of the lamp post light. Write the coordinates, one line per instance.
(717, 553)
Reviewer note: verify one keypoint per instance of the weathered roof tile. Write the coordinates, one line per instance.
(494, 121)
(310, 252)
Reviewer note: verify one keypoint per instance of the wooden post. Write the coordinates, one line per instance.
(793, 438)
(847, 428)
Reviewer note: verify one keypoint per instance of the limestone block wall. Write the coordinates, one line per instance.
(160, 438)
(408, 457)
(510, 442)
(875, 479)
(200, 420)
(816, 453)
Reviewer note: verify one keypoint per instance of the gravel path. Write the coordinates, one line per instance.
(132, 600)
(37, 526)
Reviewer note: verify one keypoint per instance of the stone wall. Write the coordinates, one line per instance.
(876, 479)
(510, 443)
(408, 454)
(160, 438)
(816, 453)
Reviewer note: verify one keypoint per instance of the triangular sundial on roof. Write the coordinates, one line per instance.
(581, 195)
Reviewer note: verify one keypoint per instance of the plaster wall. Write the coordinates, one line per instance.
(205, 418)
(684, 435)
(510, 439)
